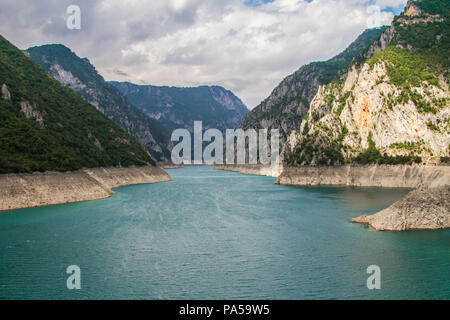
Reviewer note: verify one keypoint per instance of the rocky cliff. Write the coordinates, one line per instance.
(290, 100)
(392, 108)
(41, 189)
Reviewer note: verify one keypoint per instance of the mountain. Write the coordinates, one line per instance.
(392, 106)
(290, 100)
(179, 107)
(81, 76)
(46, 126)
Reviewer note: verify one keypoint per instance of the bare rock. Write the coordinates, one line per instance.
(30, 112)
(25, 190)
(421, 209)
(6, 95)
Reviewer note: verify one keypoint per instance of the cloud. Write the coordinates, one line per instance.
(120, 73)
(247, 46)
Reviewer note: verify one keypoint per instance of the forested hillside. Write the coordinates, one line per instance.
(46, 126)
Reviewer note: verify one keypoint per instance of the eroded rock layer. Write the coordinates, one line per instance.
(41, 189)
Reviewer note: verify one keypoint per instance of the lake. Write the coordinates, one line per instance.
(219, 235)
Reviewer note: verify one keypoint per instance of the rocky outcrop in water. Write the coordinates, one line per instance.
(422, 209)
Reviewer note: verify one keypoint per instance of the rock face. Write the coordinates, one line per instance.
(177, 108)
(80, 76)
(422, 209)
(66, 78)
(30, 112)
(41, 189)
(393, 107)
(290, 101)
(346, 119)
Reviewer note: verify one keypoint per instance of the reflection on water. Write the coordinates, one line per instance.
(360, 199)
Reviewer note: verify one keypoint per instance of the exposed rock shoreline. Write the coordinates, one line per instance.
(19, 191)
(425, 208)
(383, 176)
(170, 165)
(257, 169)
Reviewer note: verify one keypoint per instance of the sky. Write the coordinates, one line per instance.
(246, 46)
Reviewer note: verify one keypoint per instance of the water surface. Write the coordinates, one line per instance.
(219, 235)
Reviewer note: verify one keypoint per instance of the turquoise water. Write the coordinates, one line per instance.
(219, 235)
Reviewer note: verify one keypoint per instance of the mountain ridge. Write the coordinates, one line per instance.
(179, 107)
(79, 75)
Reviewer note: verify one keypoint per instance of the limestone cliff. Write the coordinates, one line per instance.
(290, 100)
(44, 126)
(257, 170)
(392, 108)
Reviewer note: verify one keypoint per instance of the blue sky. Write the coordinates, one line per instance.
(394, 9)
(255, 3)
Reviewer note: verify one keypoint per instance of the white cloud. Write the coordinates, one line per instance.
(191, 42)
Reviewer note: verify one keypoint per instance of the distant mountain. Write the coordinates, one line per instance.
(180, 107)
(392, 106)
(290, 100)
(81, 76)
(45, 126)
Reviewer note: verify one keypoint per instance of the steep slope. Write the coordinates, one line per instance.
(290, 101)
(45, 126)
(80, 76)
(392, 108)
(180, 107)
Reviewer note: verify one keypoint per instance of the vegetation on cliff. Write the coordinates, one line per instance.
(389, 104)
(290, 101)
